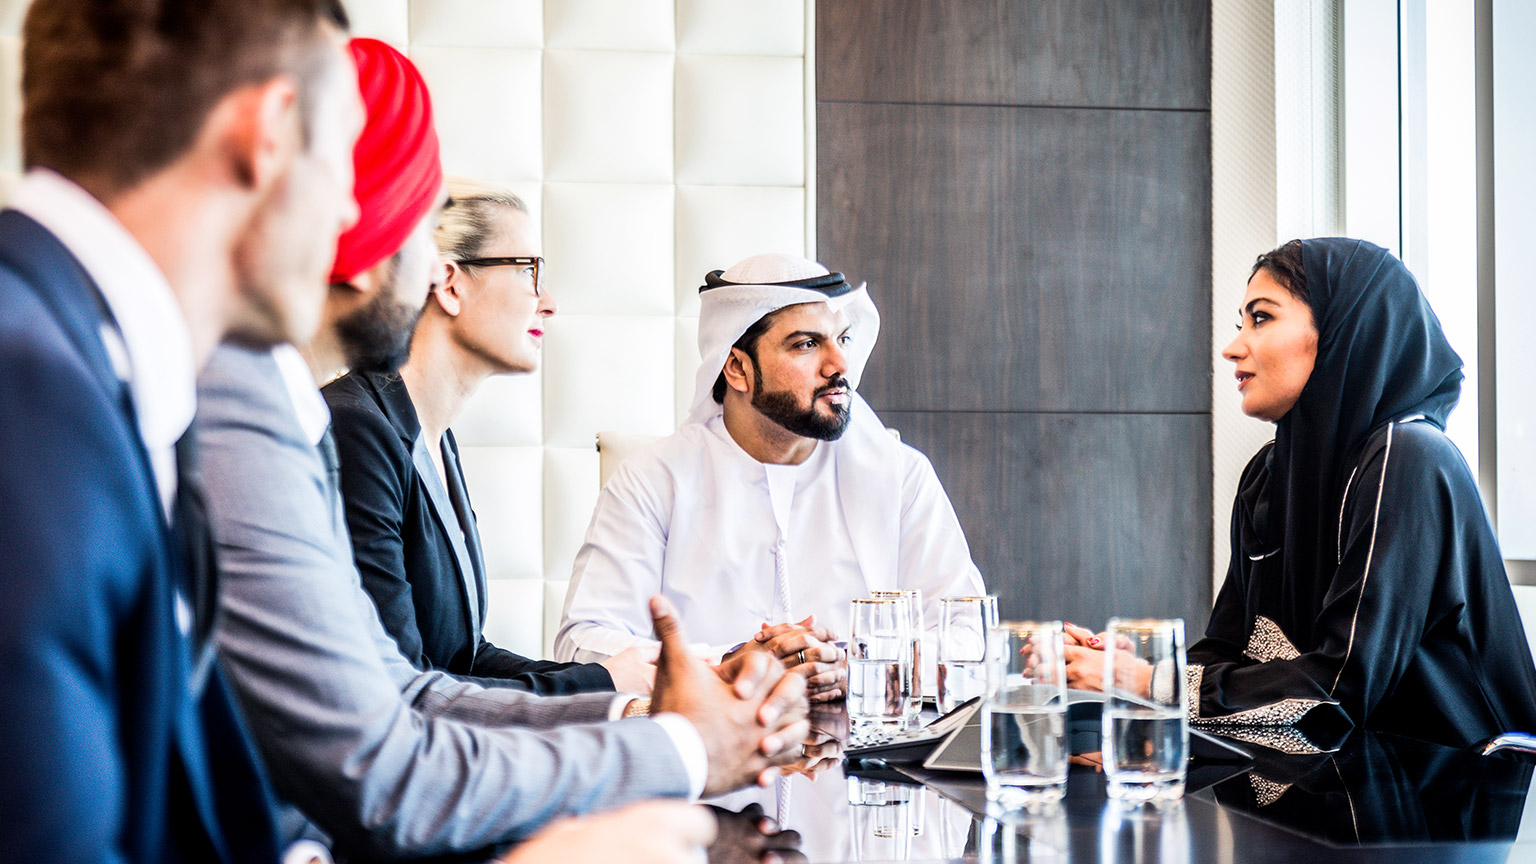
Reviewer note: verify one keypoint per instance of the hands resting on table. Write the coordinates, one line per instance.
(749, 711)
(1085, 663)
(806, 650)
(752, 716)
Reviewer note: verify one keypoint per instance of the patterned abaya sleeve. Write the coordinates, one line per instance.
(1239, 675)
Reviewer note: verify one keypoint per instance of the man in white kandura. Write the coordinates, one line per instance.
(781, 498)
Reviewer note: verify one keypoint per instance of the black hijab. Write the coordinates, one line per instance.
(1381, 356)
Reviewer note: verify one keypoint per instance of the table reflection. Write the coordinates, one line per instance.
(1376, 793)
(1383, 789)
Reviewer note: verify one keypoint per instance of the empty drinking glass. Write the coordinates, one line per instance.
(963, 626)
(1024, 715)
(1146, 732)
(879, 648)
(913, 684)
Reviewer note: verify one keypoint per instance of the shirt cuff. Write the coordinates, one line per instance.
(619, 703)
(690, 748)
(305, 851)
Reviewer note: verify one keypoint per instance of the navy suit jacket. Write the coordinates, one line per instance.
(430, 591)
(112, 751)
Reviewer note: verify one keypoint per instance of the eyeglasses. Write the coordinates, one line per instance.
(534, 261)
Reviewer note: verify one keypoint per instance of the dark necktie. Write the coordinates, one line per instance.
(192, 539)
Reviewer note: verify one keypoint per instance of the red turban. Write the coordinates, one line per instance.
(399, 174)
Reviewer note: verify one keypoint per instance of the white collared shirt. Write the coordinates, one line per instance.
(308, 405)
(151, 346)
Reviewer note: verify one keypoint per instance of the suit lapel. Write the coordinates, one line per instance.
(448, 523)
(459, 493)
(395, 401)
(70, 294)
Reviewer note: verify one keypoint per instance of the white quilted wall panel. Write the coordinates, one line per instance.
(686, 353)
(610, 247)
(609, 117)
(607, 372)
(514, 615)
(761, 27)
(11, 13)
(653, 140)
(554, 603)
(569, 495)
(389, 20)
(505, 485)
(10, 104)
(487, 105)
(720, 225)
(487, 23)
(507, 412)
(741, 120)
(610, 25)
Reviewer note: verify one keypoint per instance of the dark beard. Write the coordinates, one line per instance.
(783, 408)
(377, 337)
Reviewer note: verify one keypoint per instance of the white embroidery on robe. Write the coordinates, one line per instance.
(1283, 739)
(1265, 790)
(1283, 713)
(1268, 642)
(1194, 673)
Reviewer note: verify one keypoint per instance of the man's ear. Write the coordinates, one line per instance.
(262, 130)
(738, 371)
(449, 294)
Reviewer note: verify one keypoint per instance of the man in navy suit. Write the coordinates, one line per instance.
(166, 143)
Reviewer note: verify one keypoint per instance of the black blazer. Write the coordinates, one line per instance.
(430, 591)
(114, 750)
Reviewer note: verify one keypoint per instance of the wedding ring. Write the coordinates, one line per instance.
(801, 656)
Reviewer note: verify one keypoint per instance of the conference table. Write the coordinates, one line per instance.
(1363, 797)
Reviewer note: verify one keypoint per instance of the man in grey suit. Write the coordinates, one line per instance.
(389, 761)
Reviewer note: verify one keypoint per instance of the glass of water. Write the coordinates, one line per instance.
(879, 648)
(912, 685)
(1024, 714)
(963, 626)
(1146, 731)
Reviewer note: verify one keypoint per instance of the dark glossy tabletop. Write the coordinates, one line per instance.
(1377, 798)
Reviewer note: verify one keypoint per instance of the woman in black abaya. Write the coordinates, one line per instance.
(1365, 576)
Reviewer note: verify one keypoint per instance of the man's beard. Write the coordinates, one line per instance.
(377, 337)
(783, 408)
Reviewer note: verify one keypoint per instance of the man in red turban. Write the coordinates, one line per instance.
(386, 263)
(388, 761)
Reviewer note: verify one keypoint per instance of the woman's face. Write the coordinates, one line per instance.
(502, 319)
(1275, 348)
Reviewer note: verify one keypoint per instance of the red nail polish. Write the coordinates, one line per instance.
(1093, 642)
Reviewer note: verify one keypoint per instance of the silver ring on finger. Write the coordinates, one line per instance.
(800, 655)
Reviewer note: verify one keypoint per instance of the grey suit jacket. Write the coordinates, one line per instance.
(389, 761)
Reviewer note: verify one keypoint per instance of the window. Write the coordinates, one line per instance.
(1438, 124)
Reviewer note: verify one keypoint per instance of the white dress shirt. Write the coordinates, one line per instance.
(151, 347)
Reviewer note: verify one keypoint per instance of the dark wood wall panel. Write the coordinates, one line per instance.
(1110, 53)
(1024, 258)
(1079, 516)
(1025, 185)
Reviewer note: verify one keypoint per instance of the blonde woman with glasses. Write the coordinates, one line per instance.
(407, 504)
